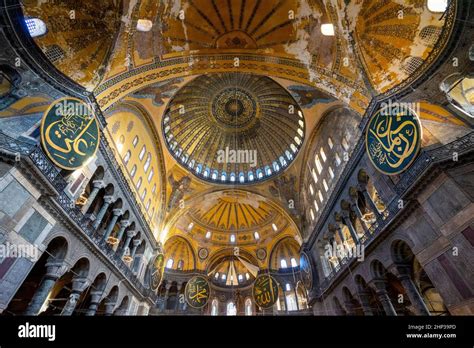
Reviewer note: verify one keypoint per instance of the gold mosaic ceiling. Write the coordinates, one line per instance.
(252, 123)
(382, 42)
(377, 46)
(212, 218)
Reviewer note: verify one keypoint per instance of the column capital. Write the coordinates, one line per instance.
(125, 223)
(117, 212)
(79, 284)
(136, 242)
(131, 233)
(108, 199)
(98, 184)
(380, 285)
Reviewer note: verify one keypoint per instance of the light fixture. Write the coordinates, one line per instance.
(36, 27)
(327, 29)
(437, 5)
(208, 234)
(112, 240)
(144, 25)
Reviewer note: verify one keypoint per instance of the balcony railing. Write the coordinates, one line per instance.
(20, 149)
(448, 152)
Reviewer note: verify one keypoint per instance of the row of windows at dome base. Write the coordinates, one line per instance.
(250, 176)
(223, 277)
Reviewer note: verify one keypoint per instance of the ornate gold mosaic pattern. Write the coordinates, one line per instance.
(234, 128)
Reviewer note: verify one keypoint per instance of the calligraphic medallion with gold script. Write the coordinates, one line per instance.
(306, 271)
(197, 292)
(393, 139)
(69, 133)
(156, 272)
(265, 291)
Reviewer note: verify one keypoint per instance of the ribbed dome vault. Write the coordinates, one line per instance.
(233, 128)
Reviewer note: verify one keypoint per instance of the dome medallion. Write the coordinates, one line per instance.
(233, 128)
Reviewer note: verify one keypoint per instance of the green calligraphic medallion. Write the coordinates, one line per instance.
(156, 271)
(265, 291)
(69, 133)
(393, 139)
(306, 271)
(197, 292)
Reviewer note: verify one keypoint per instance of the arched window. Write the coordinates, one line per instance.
(256, 235)
(180, 265)
(325, 184)
(247, 276)
(208, 234)
(293, 262)
(142, 153)
(319, 166)
(36, 27)
(231, 309)
(154, 189)
(288, 287)
(311, 189)
(248, 307)
(215, 307)
(312, 214)
(148, 205)
(330, 143)
(232, 238)
(323, 154)
(331, 172)
(150, 176)
(135, 141)
(240, 278)
(147, 162)
(338, 160)
(139, 183)
(143, 194)
(133, 171)
(283, 263)
(127, 156)
(169, 263)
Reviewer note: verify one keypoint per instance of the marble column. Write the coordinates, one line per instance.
(79, 284)
(178, 286)
(94, 303)
(382, 295)
(166, 297)
(115, 215)
(130, 235)
(347, 221)
(96, 186)
(136, 243)
(54, 270)
(371, 203)
(364, 298)
(355, 207)
(109, 308)
(404, 275)
(349, 307)
(102, 211)
(123, 225)
(286, 301)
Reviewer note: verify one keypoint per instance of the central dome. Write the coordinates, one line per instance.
(233, 128)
